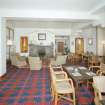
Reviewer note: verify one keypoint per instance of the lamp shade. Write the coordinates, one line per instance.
(9, 42)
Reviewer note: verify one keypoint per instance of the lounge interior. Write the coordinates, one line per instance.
(52, 52)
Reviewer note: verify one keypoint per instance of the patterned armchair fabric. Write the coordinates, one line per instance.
(35, 63)
(18, 60)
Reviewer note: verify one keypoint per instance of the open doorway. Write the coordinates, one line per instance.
(62, 44)
(60, 47)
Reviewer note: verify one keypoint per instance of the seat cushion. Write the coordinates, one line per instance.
(64, 87)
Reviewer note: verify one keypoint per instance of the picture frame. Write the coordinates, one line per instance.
(24, 44)
(41, 36)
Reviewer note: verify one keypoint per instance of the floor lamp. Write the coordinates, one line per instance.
(9, 44)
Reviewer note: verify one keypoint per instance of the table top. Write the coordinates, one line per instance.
(79, 73)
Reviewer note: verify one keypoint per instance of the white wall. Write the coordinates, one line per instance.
(100, 38)
(32, 33)
(86, 34)
(90, 33)
(2, 46)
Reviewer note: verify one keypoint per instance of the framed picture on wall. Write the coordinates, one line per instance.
(41, 36)
(24, 44)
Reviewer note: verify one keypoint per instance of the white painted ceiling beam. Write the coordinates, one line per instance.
(48, 14)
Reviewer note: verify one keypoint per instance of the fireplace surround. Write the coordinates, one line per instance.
(40, 50)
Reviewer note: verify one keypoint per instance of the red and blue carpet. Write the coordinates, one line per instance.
(24, 87)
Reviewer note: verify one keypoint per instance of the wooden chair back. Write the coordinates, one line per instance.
(99, 89)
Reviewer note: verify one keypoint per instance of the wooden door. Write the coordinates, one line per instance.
(60, 47)
(79, 45)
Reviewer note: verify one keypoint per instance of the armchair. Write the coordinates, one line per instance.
(99, 89)
(60, 60)
(18, 60)
(35, 63)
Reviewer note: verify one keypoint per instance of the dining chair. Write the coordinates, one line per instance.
(59, 75)
(99, 69)
(94, 61)
(62, 87)
(99, 89)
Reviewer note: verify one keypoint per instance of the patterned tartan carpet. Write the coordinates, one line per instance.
(24, 87)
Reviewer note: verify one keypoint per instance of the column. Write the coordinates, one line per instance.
(2, 46)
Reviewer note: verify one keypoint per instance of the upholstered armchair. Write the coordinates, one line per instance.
(60, 60)
(18, 61)
(99, 89)
(35, 63)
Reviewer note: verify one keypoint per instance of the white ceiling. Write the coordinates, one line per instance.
(62, 5)
(22, 12)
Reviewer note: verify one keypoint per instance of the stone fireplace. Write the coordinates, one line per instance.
(40, 50)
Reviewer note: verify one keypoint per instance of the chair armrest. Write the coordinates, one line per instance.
(61, 73)
(99, 72)
(66, 79)
(21, 63)
(94, 67)
(57, 67)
